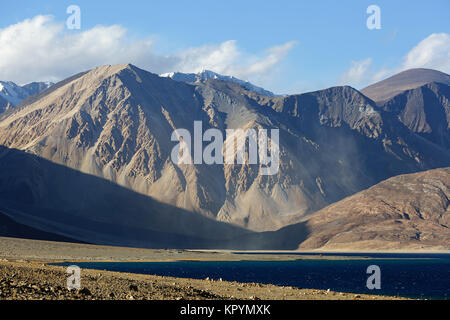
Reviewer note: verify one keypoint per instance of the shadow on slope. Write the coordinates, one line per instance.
(53, 198)
(286, 238)
(10, 228)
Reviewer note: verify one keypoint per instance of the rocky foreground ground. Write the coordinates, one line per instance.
(31, 280)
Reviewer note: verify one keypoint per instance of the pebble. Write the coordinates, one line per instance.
(85, 291)
(133, 287)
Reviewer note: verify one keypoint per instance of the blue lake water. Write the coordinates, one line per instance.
(417, 276)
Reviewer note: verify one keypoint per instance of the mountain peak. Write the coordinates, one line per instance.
(405, 80)
(205, 75)
(109, 70)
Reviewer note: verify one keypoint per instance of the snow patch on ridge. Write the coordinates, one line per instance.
(208, 74)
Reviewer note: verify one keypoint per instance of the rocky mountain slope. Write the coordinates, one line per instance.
(404, 212)
(425, 110)
(89, 158)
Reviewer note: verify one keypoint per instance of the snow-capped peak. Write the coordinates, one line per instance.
(15, 94)
(208, 74)
(12, 92)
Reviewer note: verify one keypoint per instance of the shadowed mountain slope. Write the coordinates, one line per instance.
(10, 228)
(53, 198)
(424, 110)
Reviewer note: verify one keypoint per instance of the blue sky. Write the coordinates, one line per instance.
(285, 46)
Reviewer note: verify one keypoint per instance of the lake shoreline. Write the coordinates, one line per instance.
(25, 273)
(51, 251)
(32, 280)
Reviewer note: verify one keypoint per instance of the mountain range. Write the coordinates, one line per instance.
(208, 74)
(90, 159)
(12, 94)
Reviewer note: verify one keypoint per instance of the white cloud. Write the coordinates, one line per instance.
(357, 74)
(217, 58)
(433, 52)
(226, 58)
(260, 66)
(40, 49)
